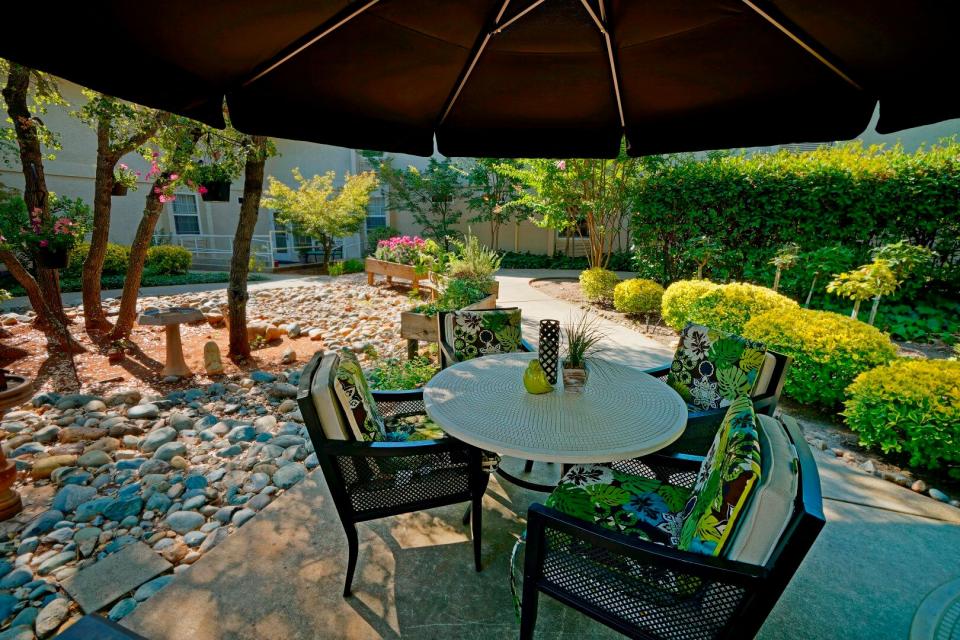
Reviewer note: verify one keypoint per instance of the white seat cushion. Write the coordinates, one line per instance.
(325, 401)
(771, 506)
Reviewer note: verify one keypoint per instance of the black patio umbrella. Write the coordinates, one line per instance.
(512, 77)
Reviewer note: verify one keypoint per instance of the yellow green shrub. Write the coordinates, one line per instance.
(169, 259)
(910, 406)
(597, 284)
(829, 350)
(730, 306)
(637, 295)
(679, 298)
(115, 260)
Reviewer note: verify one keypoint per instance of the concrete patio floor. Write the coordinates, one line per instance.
(281, 575)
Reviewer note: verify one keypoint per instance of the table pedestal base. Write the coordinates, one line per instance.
(527, 484)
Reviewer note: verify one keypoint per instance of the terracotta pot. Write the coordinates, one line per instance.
(218, 191)
(18, 390)
(119, 189)
(52, 258)
(574, 379)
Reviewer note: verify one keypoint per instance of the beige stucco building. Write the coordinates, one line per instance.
(207, 228)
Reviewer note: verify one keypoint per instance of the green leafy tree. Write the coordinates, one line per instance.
(832, 259)
(871, 280)
(170, 153)
(494, 193)
(905, 260)
(121, 128)
(429, 196)
(321, 210)
(586, 198)
(785, 258)
(700, 251)
(24, 90)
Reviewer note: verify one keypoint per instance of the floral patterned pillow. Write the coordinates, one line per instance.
(480, 333)
(727, 475)
(711, 368)
(358, 404)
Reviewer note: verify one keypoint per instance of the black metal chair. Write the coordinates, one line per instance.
(702, 425)
(655, 592)
(371, 479)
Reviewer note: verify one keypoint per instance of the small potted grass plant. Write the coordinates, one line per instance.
(583, 339)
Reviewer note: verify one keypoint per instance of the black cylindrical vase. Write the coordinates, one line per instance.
(548, 351)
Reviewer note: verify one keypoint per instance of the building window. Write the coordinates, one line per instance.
(279, 236)
(376, 213)
(582, 232)
(186, 216)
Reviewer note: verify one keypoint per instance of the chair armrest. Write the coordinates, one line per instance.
(658, 372)
(391, 449)
(712, 568)
(447, 355)
(405, 395)
(526, 346)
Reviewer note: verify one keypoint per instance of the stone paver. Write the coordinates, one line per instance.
(100, 584)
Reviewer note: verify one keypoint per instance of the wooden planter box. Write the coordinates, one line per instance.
(419, 326)
(391, 270)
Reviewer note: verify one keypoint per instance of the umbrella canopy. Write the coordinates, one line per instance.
(512, 77)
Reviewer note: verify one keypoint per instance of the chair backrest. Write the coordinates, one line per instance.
(712, 368)
(340, 398)
(725, 481)
(773, 375)
(470, 334)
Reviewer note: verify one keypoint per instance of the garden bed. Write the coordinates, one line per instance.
(421, 326)
(391, 270)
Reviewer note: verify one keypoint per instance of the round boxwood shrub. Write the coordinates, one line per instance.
(637, 295)
(168, 260)
(910, 406)
(597, 284)
(115, 259)
(829, 350)
(730, 306)
(678, 299)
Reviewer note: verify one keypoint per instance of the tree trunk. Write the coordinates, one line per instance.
(806, 305)
(856, 309)
(327, 243)
(240, 260)
(776, 280)
(58, 336)
(138, 257)
(873, 310)
(94, 320)
(34, 181)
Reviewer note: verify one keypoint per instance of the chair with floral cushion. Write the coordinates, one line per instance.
(661, 548)
(465, 335)
(379, 455)
(709, 370)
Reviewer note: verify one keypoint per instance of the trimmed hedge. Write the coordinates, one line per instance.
(726, 307)
(115, 260)
(637, 295)
(678, 299)
(829, 350)
(910, 406)
(168, 259)
(598, 284)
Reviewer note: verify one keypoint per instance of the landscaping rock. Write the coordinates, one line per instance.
(42, 524)
(212, 361)
(52, 616)
(157, 438)
(289, 475)
(146, 411)
(168, 450)
(95, 458)
(936, 494)
(71, 497)
(122, 609)
(919, 486)
(184, 521)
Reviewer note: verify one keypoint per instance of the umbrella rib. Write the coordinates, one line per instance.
(613, 63)
(324, 30)
(473, 60)
(766, 14)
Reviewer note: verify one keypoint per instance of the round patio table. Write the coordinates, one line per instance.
(622, 413)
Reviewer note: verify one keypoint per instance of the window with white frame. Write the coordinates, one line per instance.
(376, 213)
(186, 214)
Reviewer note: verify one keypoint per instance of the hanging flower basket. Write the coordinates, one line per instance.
(52, 258)
(218, 191)
(119, 189)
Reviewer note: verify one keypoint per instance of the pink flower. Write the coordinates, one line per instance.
(201, 189)
(123, 166)
(166, 198)
(154, 169)
(44, 243)
(174, 176)
(562, 165)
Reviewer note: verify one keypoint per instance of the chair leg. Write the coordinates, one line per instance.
(353, 545)
(466, 515)
(528, 611)
(528, 466)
